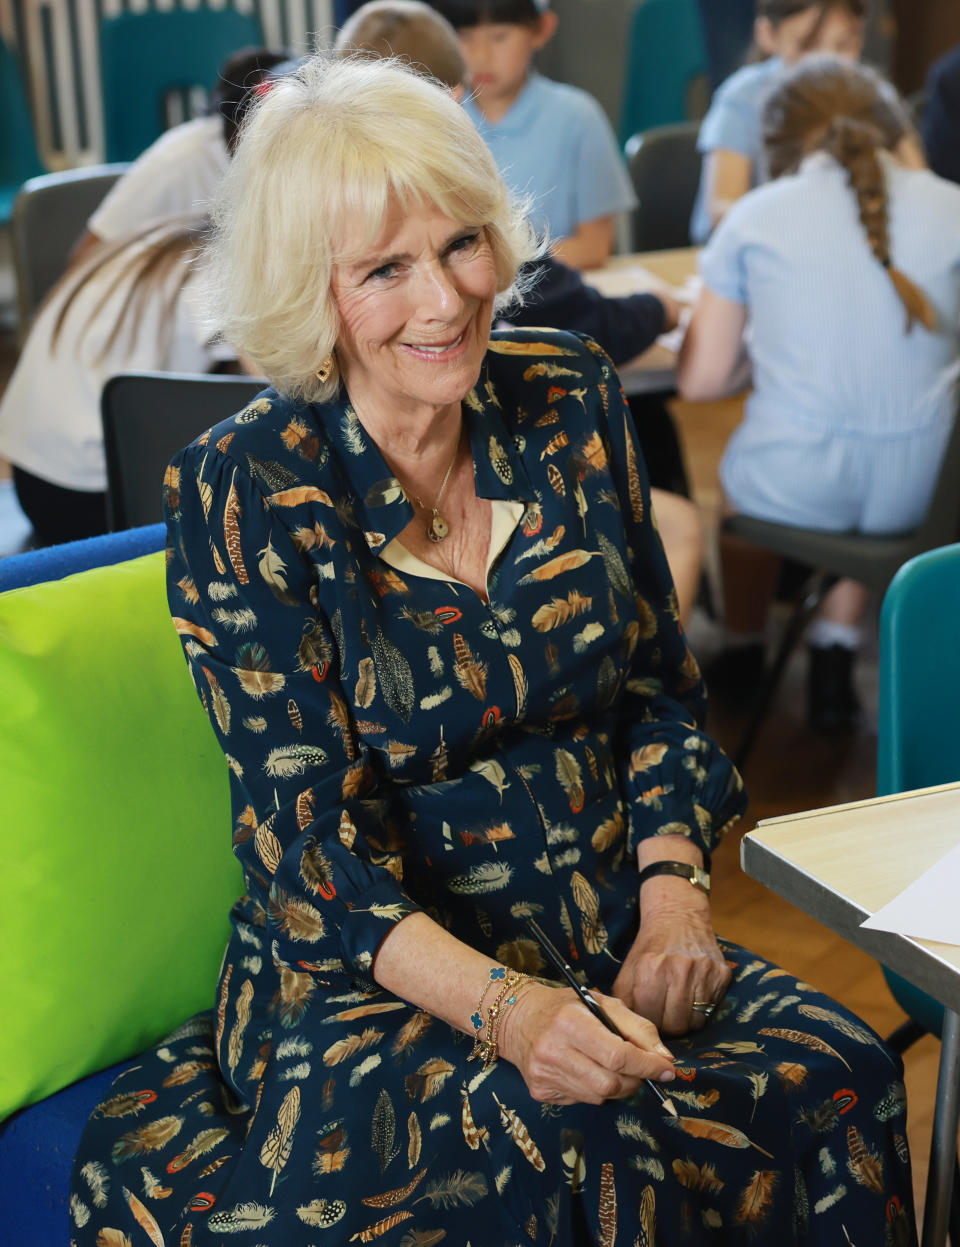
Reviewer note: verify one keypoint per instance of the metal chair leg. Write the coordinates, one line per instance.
(955, 1206)
(943, 1148)
(812, 594)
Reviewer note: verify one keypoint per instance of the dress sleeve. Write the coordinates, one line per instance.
(676, 779)
(941, 117)
(318, 853)
(624, 326)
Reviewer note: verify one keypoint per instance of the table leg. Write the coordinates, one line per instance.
(943, 1146)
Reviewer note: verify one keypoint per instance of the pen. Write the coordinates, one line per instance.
(584, 993)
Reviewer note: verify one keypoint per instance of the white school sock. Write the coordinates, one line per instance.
(823, 633)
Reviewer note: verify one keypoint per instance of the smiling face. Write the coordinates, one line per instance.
(837, 31)
(415, 310)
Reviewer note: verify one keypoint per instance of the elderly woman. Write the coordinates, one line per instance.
(424, 603)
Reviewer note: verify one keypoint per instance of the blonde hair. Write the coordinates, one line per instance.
(826, 103)
(410, 30)
(320, 157)
(156, 260)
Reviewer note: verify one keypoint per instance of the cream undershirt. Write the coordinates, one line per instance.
(505, 516)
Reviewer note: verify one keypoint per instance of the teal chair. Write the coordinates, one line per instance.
(665, 59)
(919, 741)
(919, 744)
(145, 57)
(19, 158)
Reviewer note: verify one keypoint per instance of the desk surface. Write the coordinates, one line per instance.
(633, 274)
(619, 276)
(842, 863)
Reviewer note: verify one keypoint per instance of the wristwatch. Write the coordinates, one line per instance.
(696, 874)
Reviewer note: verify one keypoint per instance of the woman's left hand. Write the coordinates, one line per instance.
(675, 959)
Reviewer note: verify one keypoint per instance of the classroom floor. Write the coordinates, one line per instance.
(790, 770)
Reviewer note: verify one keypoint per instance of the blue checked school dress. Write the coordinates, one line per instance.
(397, 744)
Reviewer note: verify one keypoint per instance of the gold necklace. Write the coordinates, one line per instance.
(437, 527)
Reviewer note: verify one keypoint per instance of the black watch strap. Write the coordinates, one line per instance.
(685, 870)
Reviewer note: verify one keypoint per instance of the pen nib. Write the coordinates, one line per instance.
(669, 1107)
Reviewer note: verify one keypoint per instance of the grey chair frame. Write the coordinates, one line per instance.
(149, 416)
(871, 560)
(50, 214)
(665, 168)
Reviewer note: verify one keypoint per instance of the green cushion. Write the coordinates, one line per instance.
(117, 875)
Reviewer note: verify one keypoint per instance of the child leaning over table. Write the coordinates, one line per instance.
(550, 140)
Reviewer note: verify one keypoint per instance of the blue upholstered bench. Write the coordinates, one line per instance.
(117, 871)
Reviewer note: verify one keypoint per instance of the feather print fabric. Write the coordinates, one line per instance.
(396, 744)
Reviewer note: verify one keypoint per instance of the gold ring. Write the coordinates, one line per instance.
(706, 1007)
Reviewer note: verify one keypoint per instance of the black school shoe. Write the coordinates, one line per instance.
(833, 707)
(734, 677)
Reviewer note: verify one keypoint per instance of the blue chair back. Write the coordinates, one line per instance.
(146, 56)
(665, 56)
(918, 744)
(19, 158)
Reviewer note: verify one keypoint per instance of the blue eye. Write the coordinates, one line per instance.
(382, 273)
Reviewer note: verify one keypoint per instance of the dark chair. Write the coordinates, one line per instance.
(49, 216)
(147, 418)
(145, 57)
(918, 747)
(873, 561)
(665, 167)
(19, 158)
(666, 62)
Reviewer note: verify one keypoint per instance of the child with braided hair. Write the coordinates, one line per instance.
(841, 279)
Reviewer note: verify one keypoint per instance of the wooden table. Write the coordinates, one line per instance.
(655, 370)
(840, 865)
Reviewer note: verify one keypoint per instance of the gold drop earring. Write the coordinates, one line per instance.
(324, 371)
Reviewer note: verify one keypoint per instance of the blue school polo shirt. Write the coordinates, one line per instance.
(733, 123)
(556, 145)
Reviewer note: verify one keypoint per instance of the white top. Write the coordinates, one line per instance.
(179, 173)
(556, 145)
(50, 410)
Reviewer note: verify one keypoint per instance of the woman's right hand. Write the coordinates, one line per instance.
(567, 1056)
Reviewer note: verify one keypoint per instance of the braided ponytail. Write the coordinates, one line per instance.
(854, 144)
(827, 104)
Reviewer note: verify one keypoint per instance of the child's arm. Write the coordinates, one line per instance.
(728, 175)
(589, 246)
(710, 364)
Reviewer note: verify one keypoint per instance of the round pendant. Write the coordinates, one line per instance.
(438, 527)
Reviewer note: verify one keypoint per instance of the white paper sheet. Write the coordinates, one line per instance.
(928, 909)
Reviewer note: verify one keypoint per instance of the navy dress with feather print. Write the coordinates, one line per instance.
(397, 744)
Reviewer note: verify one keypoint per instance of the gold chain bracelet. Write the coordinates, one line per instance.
(512, 982)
